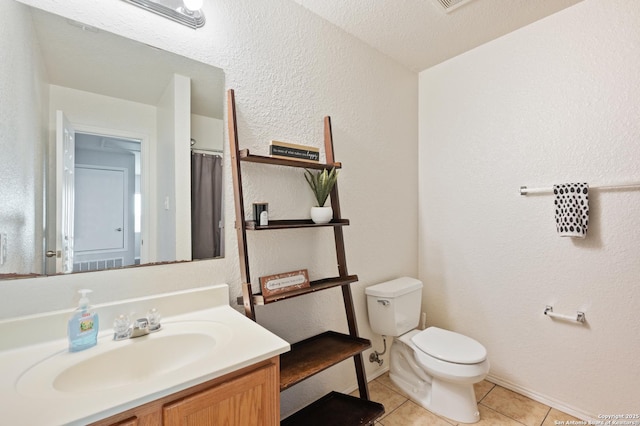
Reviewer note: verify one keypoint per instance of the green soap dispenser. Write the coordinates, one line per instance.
(83, 325)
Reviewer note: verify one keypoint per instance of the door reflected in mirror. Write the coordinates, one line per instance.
(124, 120)
(107, 203)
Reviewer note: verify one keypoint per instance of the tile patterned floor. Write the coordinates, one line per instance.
(498, 407)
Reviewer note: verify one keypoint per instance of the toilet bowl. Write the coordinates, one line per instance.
(436, 368)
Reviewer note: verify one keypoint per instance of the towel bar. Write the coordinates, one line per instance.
(524, 190)
(578, 317)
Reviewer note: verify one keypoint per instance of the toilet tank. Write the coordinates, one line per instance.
(394, 306)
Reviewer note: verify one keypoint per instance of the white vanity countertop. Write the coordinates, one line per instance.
(240, 343)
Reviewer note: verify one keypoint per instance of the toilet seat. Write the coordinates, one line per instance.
(446, 370)
(449, 346)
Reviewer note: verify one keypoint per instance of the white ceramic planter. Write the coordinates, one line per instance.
(321, 214)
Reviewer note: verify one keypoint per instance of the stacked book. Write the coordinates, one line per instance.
(287, 150)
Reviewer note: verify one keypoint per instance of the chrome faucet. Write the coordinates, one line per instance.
(140, 328)
(124, 329)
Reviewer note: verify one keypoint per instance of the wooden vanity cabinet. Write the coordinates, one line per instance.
(250, 396)
(132, 421)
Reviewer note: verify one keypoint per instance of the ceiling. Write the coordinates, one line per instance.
(420, 33)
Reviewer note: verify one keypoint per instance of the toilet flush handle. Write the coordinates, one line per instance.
(384, 302)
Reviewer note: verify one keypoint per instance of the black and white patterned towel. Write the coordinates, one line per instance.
(572, 209)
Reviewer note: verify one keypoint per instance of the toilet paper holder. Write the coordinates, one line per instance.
(578, 317)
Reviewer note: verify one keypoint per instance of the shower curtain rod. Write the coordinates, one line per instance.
(549, 190)
(207, 151)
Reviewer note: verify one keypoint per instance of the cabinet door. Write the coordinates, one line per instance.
(132, 421)
(247, 400)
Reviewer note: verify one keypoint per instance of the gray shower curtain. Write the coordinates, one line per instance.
(206, 205)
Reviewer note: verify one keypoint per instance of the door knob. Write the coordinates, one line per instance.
(119, 229)
(52, 253)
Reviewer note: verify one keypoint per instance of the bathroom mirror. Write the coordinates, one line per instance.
(122, 126)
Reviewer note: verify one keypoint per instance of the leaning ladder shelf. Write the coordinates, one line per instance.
(327, 349)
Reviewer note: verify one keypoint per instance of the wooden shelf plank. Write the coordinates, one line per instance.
(316, 354)
(293, 223)
(251, 158)
(317, 285)
(336, 409)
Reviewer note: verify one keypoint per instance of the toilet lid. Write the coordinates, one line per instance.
(449, 346)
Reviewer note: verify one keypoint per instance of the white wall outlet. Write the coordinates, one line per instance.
(167, 206)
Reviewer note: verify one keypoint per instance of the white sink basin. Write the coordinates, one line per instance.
(134, 362)
(113, 364)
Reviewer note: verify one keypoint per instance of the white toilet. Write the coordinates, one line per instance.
(436, 368)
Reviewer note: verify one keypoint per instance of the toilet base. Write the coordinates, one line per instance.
(456, 401)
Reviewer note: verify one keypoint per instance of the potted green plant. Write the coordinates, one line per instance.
(321, 184)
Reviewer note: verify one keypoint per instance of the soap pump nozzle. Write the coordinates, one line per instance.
(84, 301)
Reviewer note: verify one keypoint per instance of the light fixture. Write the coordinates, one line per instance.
(193, 4)
(186, 12)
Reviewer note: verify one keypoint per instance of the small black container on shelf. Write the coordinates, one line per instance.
(261, 213)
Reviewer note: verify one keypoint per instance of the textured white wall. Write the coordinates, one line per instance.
(23, 116)
(554, 102)
(289, 68)
(208, 132)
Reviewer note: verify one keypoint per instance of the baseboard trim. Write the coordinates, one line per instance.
(370, 378)
(379, 372)
(543, 399)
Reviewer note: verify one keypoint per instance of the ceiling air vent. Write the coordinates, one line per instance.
(451, 5)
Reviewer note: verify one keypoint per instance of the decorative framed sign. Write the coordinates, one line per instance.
(293, 151)
(287, 281)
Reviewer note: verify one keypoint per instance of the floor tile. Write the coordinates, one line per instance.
(559, 417)
(386, 380)
(411, 414)
(516, 406)
(489, 417)
(385, 396)
(482, 389)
